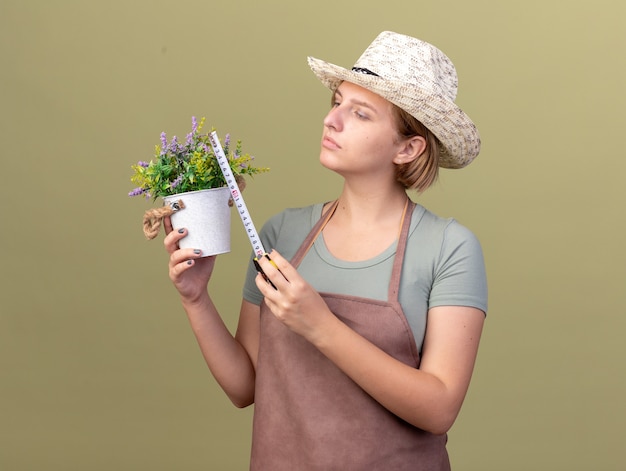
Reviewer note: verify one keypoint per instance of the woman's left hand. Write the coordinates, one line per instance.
(293, 301)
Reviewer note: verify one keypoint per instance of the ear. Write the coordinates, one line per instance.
(410, 149)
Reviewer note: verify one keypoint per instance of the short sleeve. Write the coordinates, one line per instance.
(460, 277)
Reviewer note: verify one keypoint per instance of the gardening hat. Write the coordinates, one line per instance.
(420, 79)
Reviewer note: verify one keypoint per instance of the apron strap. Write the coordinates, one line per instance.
(396, 272)
(310, 239)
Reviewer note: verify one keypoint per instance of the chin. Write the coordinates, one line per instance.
(328, 161)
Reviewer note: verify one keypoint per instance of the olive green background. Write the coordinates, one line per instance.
(98, 367)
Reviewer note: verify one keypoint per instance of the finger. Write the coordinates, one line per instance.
(272, 271)
(167, 224)
(281, 264)
(184, 255)
(177, 268)
(263, 283)
(171, 240)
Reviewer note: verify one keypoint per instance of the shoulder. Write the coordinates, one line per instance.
(294, 214)
(294, 217)
(285, 230)
(437, 228)
(441, 242)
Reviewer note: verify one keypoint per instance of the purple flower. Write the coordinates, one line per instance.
(227, 140)
(176, 182)
(143, 164)
(163, 143)
(189, 139)
(136, 192)
(194, 124)
(174, 145)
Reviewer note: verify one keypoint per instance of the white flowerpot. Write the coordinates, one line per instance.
(206, 216)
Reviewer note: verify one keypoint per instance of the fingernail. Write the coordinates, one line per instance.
(197, 251)
(189, 262)
(180, 231)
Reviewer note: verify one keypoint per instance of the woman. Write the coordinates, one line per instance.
(359, 353)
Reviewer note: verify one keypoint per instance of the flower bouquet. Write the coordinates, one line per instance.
(188, 177)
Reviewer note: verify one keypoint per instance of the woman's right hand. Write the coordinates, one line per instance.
(188, 270)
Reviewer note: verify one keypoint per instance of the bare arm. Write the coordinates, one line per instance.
(231, 359)
(429, 397)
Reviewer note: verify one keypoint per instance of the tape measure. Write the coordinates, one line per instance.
(238, 201)
(240, 204)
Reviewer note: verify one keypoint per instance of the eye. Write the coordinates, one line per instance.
(361, 115)
(335, 100)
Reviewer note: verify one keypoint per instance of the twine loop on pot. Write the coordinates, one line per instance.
(152, 218)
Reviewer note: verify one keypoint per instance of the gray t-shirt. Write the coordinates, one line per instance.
(443, 265)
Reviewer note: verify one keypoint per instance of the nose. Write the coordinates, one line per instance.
(333, 118)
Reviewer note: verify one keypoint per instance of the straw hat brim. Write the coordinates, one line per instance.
(454, 129)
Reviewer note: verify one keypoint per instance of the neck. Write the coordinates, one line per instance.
(369, 207)
(364, 226)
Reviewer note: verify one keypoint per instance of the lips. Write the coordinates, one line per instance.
(330, 143)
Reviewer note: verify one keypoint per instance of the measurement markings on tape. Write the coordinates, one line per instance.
(240, 205)
(235, 193)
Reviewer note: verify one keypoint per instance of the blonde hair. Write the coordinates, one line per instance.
(423, 171)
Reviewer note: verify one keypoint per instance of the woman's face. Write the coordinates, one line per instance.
(360, 135)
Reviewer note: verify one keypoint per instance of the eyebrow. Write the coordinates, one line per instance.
(358, 102)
